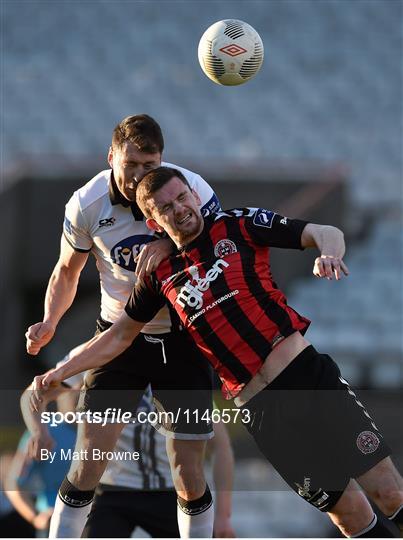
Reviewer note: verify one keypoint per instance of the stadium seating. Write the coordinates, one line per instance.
(330, 88)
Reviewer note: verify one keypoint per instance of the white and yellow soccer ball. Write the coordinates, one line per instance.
(230, 52)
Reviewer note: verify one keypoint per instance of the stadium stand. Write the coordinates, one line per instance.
(329, 92)
(73, 73)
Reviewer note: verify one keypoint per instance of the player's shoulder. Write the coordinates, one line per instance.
(193, 178)
(95, 190)
(242, 212)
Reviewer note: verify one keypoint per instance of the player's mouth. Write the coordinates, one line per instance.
(185, 219)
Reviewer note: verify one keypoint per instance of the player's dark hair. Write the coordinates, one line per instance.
(141, 130)
(152, 182)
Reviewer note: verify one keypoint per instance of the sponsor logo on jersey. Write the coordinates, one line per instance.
(211, 206)
(67, 226)
(263, 218)
(284, 221)
(125, 251)
(106, 222)
(367, 442)
(192, 294)
(224, 247)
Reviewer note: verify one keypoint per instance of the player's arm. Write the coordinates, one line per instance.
(40, 437)
(330, 242)
(223, 474)
(60, 293)
(20, 498)
(151, 255)
(96, 352)
(267, 228)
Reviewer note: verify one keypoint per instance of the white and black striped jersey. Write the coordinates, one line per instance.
(151, 471)
(99, 220)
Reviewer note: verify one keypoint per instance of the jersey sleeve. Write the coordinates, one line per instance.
(74, 227)
(267, 228)
(209, 200)
(145, 300)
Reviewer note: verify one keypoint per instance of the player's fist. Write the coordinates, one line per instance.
(38, 335)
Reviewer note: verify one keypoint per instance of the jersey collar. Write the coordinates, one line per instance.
(117, 198)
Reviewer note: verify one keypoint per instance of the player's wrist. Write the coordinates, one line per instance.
(50, 323)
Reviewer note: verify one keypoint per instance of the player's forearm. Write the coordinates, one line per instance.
(22, 503)
(223, 470)
(328, 239)
(223, 473)
(96, 352)
(101, 349)
(60, 293)
(32, 418)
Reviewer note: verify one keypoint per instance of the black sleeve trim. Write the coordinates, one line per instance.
(135, 316)
(75, 248)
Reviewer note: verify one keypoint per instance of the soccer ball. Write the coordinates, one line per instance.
(230, 52)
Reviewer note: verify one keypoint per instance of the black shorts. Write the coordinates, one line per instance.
(116, 512)
(313, 429)
(180, 378)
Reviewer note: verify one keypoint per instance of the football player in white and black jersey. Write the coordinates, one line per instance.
(136, 493)
(103, 218)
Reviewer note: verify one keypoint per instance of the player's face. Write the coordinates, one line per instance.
(129, 166)
(175, 208)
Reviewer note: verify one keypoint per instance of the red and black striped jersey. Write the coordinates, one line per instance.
(222, 290)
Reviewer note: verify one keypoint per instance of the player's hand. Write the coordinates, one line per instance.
(39, 441)
(38, 335)
(223, 528)
(151, 255)
(41, 520)
(40, 386)
(327, 266)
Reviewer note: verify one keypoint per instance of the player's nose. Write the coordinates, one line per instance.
(138, 175)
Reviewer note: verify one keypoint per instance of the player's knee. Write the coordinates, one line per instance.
(352, 513)
(387, 498)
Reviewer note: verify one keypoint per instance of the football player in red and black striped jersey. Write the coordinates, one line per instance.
(303, 415)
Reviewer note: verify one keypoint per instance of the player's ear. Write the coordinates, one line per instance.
(110, 157)
(153, 225)
(196, 196)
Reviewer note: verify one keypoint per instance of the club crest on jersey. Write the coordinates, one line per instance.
(191, 293)
(124, 252)
(263, 218)
(224, 247)
(367, 442)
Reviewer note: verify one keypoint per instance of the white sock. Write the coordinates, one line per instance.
(68, 521)
(196, 518)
